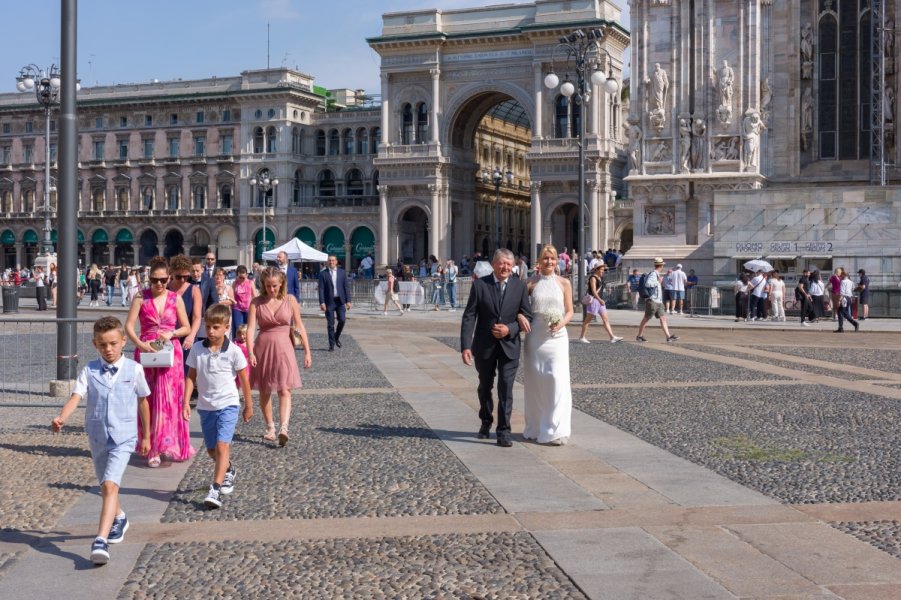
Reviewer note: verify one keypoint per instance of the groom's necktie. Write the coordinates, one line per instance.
(501, 288)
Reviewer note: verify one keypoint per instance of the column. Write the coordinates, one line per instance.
(434, 220)
(539, 96)
(386, 110)
(112, 253)
(536, 221)
(593, 216)
(88, 254)
(593, 106)
(447, 213)
(136, 253)
(436, 73)
(605, 201)
(20, 253)
(160, 248)
(383, 225)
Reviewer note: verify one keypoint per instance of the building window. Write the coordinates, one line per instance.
(320, 143)
(271, 140)
(333, 142)
(147, 197)
(296, 196)
(327, 184)
(123, 121)
(406, 135)
(226, 115)
(6, 201)
(122, 199)
(98, 150)
(123, 150)
(52, 153)
(271, 113)
(148, 147)
(29, 127)
(199, 117)
(173, 119)
(354, 183)
(198, 197)
(227, 144)
(225, 196)
(258, 140)
(98, 123)
(295, 140)
(28, 201)
(52, 125)
(362, 141)
(258, 114)
(199, 146)
(6, 155)
(422, 123)
(148, 120)
(347, 139)
(98, 200)
(376, 140)
(28, 151)
(173, 147)
(7, 128)
(561, 117)
(172, 193)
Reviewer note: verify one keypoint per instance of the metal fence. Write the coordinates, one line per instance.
(28, 354)
(712, 300)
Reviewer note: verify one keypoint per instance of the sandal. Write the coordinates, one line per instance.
(269, 436)
(153, 462)
(283, 436)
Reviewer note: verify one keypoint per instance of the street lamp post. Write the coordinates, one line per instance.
(267, 185)
(498, 177)
(584, 50)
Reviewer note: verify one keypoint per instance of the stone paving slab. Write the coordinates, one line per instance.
(498, 565)
(885, 535)
(776, 362)
(880, 359)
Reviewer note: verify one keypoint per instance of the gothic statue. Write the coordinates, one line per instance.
(751, 126)
(889, 45)
(634, 134)
(766, 96)
(659, 86)
(727, 80)
(888, 108)
(807, 51)
(806, 118)
(698, 143)
(684, 144)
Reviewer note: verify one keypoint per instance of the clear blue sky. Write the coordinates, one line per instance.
(128, 41)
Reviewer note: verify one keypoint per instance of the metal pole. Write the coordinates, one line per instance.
(265, 200)
(67, 194)
(581, 286)
(497, 210)
(48, 244)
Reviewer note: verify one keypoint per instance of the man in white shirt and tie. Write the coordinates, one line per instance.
(291, 276)
(334, 299)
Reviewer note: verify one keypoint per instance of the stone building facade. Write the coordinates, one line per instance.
(750, 134)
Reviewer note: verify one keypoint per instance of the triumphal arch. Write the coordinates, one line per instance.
(476, 152)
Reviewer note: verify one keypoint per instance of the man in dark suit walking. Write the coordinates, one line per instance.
(334, 299)
(489, 335)
(291, 276)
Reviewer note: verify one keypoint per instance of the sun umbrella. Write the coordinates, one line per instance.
(758, 265)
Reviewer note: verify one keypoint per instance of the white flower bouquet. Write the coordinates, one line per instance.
(553, 318)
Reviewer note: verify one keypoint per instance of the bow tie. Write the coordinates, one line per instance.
(111, 369)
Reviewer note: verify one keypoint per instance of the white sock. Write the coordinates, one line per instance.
(100, 538)
(121, 514)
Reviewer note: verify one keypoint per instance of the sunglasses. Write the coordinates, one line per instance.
(159, 280)
(181, 277)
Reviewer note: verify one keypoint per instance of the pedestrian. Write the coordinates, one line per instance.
(367, 265)
(212, 367)
(115, 390)
(653, 305)
(679, 280)
(634, 278)
(757, 312)
(450, 282)
(489, 335)
(290, 272)
(243, 291)
(240, 338)
(802, 295)
(180, 283)
(272, 358)
(741, 288)
(52, 283)
(523, 265)
(95, 282)
(844, 313)
(133, 286)
(835, 291)
(163, 321)
(817, 294)
(668, 292)
(334, 300)
(863, 288)
(596, 308)
(209, 268)
(390, 293)
(224, 293)
(407, 276)
(122, 280)
(40, 288)
(777, 296)
(110, 278)
(437, 279)
(208, 293)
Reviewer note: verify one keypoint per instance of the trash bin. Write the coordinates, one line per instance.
(10, 299)
(854, 308)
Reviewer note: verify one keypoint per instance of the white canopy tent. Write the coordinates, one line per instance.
(296, 250)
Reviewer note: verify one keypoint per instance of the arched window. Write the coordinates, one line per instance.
(320, 143)
(98, 199)
(354, 182)
(297, 195)
(147, 197)
(362, 141)
(271, 140)
(422, 123)
(844, 53)
(561, 117)
(122, 199)
(258, 140)
(347, 142)
(225, 196)
(375, 140)
(327, 184)
(172, 194)
(198, 197)
(333, 142)
(6, 201)
(575, 114)
(406, 132)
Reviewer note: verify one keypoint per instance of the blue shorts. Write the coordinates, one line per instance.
(677, 295)
(218, 425)
(110, 459)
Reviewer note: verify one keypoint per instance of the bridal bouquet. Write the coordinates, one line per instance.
(553, 317)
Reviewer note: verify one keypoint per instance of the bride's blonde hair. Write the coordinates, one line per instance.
(548, 248)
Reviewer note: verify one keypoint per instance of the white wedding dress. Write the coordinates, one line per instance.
(548, 395)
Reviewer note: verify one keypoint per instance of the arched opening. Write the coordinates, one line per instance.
(258, 247)
(174, 244)
(333, 244)
(8, 239)
(354, 183)
(626, 240)
(258, 140)
(333, 142)
(200, 243)
(413, 235)
(30, 241)
(362, 242)
(564, 226)
(327, 184)
(124, 247)
(149, 242)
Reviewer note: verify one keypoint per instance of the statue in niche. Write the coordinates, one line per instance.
(889, 44)
(684, 144)
(698, 143)
(658, 85)
(888, 107)
(766, 96)
(635, 136)
(751, 126)
(806, 118)
(807, 51)
(725, 148)
(659, 220)
(727, 80)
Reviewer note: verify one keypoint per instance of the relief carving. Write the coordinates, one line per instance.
(659, 151)
(724, 148)
(806, 118)
(659, 220)
(807, 51)
(766, 97)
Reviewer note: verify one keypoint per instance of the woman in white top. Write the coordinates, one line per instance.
(777, 296)
(226, 296)
(844, 311)
(817, 291)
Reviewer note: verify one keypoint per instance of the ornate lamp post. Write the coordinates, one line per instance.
(498, 177)
(267, 186)
(584, 50)
(46, 85)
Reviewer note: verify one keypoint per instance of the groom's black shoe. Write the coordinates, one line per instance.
(484, 432)
(337, 342)
(503, 440)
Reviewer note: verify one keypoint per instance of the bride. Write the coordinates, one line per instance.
(548, 397)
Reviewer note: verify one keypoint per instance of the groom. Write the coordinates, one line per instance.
(491, 313)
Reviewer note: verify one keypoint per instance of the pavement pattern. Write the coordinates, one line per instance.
(738, 463)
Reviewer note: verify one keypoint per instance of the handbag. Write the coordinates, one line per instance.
(296, 339)
(843, 302)
(586, 299)
(164, 357)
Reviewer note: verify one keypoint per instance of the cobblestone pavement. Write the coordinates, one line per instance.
(384, 491)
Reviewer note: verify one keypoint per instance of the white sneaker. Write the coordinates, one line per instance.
(385, 314)
(213, 499)
(584, 341)
(615, 339)
(805, 324)
(681, 313)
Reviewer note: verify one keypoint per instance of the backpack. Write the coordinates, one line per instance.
(643, 290)
(396, 287)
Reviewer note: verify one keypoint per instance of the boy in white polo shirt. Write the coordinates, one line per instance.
(213, 366)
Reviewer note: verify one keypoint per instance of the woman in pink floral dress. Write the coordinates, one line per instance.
(162, 316)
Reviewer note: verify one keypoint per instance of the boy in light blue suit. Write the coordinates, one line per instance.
(115, 390)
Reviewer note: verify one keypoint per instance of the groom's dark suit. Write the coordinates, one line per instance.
(486, 307)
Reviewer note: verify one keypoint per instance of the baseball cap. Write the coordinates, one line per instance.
(679, 266)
